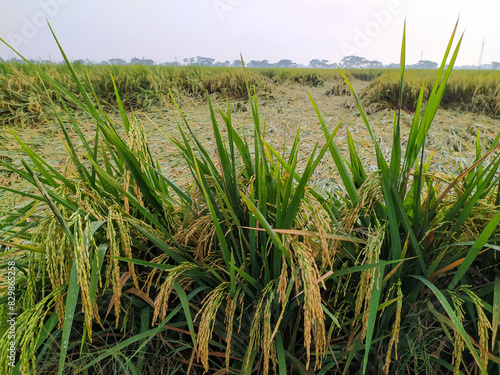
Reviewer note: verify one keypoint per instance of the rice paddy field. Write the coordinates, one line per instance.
(188, 220)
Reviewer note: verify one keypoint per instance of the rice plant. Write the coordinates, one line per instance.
(26, 102)
(474, 91)
(250, 269)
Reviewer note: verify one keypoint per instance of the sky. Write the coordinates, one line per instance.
(165, 30)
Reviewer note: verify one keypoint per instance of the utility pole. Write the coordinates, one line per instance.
(480, 62)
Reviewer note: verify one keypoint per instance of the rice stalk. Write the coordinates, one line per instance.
(113, 272)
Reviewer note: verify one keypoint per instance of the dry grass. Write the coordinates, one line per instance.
(473, 91)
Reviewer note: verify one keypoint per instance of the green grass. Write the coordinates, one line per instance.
(250, 269)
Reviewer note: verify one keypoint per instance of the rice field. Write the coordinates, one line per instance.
(471, 91)
(27, 102)
(161, 220)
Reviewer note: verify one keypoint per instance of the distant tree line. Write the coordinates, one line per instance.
(347, 62)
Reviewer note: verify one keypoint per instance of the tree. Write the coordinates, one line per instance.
(171, 63)
(352, 62)
(142, 61)
(425, 64)
(226, 63)
(117, 62)
(259, 64)
(316, 64)
(374, 64)
(17, 61)
(356, 62)
(321, 64)
(285, 64)
(495, 65)
(237, 63)
(204, 61)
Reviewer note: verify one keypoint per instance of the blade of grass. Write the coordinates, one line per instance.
(474, 250)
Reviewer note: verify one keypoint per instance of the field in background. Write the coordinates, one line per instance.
(470, 106)
(25, 101)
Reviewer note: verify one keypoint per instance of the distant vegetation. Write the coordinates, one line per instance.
(347, 62)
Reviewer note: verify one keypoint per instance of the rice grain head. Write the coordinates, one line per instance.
(283, 283)
(82, 262)
(458, 345)
(365, 288)
(258, 324)
(126, 241)
(484, 325)
(231, 305)
(370, 194)
(29, 324)
(113, 271)
(210, 306)
(312, 216)
(268, 349)
(161, 301)
(395, 332)
(57, 260)
(314, 318)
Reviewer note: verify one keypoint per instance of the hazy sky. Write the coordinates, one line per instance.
(164, 30)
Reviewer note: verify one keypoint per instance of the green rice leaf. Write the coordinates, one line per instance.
(474, 250)
(280, 351)
(456, 322)
(496, 311)
(187, 312)
(71, 301)
(337, 158)
(147, 335)
(372, 313)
